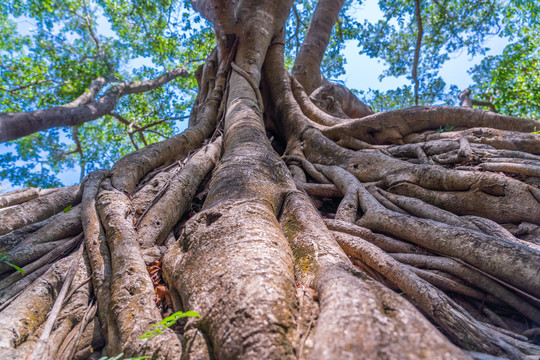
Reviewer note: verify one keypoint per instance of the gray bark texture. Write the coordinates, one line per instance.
(293, 220)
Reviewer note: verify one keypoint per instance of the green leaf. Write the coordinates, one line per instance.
(444, 129)
(15, 267)
(4, 258)
(191, 314)
(67, 209)
(167, 322)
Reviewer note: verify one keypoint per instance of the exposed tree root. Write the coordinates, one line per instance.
(19, 196)
(131, 290)
(384, 314)
(159, 220)
(38, 209)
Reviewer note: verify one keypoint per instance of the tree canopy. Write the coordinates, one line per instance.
(51, 52)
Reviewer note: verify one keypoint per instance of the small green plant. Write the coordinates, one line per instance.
(535, 131)
(167, 322)
(119, 356)
(4, 258)
(446, 128)
(67, 209)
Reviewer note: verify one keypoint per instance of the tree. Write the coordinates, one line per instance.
(415, 38)
(65, 53)
(297, 226)
(510, 80)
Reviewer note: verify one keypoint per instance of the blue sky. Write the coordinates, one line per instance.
(362, 72)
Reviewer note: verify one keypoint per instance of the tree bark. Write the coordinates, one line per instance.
(307, 67)
(292, 232)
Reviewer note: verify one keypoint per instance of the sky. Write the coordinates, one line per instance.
(362, 72)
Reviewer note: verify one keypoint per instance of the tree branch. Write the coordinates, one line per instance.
(89, 94)
(467, 102)
(296, 31)
(130, 130)
(307, 67)
(75, 132)
(17, 125)
(221, 13)
(418, 17)
(22, 87)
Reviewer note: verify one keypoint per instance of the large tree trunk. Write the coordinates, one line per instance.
(367, 237)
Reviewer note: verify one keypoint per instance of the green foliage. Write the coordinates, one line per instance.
(445, 128)
(403, 97)
(167, 322)
(159, 328)
(59, 58)
(399, 98)
(449, 26)
(51, 51)
(119, 356)
(511, 80)
(346, 29)
(4, 259)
